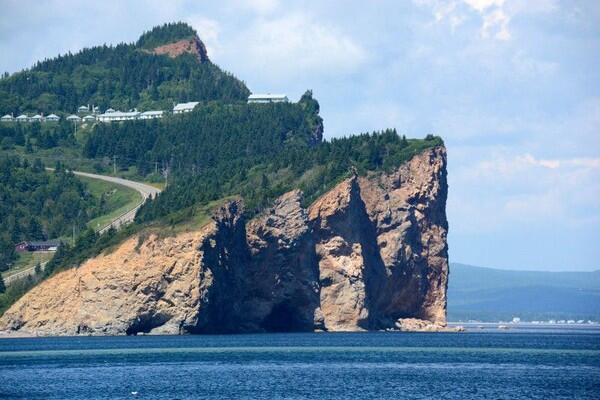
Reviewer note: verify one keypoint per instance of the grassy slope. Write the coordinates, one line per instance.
(27, 260)
(187, 219)
(119, 199)
(72, 158)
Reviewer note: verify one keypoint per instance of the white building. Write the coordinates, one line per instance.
(22, 118)
(52, 118)
(185, 107)
(83, 109)
(89, 118)
(74, 118)
(7, 118)
(151, 114)
(110, 110)
(267, 98)
(118, 116)
(36, 118)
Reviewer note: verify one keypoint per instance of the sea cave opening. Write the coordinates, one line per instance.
(284, 317)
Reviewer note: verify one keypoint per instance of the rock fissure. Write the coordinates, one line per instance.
(369, 254)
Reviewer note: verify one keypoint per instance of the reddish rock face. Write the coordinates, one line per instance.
(369, 254)
(185, 46)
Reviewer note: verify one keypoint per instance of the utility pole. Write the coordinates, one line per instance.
(73, 240)
(114, 165)
(156, 167)
(167, 170)
(165, 173)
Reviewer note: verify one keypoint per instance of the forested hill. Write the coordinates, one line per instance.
(165, 34)
(258, 151)
(36, 204)
(122, 77)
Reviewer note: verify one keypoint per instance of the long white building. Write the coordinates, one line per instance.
(151, 114)
(109, 116)
(185, 107)
(118, 116)
(267, 98)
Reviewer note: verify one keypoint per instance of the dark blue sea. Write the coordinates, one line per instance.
(538, 364)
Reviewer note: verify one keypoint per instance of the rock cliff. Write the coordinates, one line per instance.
(369, 254)
(193, 46)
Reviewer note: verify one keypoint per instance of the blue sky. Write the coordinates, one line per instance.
(512, 86)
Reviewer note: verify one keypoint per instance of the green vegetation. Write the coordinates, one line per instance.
(220, 150)
(36, 136)
(37, 205)
(122, 77)
(225, 148)
(115, 199)
(256, 151)
(167, 33)
(14, 291)
(27, 260)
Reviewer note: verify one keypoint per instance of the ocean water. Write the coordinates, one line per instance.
(561, 364)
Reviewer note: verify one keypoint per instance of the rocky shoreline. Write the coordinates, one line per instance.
(370, 254)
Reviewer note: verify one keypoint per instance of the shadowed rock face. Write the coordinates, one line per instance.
(350, 268)
(369, 254)
(283, 290)
(408, 211)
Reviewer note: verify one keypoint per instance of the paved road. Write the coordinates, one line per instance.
(22, 274)
(146, 191)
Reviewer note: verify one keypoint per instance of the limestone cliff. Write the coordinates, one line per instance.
(369, 254)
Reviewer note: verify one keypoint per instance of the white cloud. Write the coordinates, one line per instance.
(259, 6)
(508, 167)
(495, 24)
(208, 30)
(495, 15)
(482, 5)
(529, 67)
(518, 191)
(297, 44)
(532, 6)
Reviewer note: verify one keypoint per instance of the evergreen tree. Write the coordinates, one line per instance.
(124, 76)
(36, 204)
(35, 231)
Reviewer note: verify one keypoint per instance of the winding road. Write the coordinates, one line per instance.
(147, 191)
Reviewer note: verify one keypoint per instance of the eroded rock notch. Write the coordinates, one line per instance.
(369, 254)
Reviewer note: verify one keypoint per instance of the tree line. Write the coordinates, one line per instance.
(167, 33)
(258, 151)
(122, 77)
(34, 136)
(36, 204)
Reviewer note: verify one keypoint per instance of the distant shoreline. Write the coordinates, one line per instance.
(469, 327)
(522, 326)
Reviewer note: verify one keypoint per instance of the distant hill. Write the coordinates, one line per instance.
(167, 64)
(489, 294)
